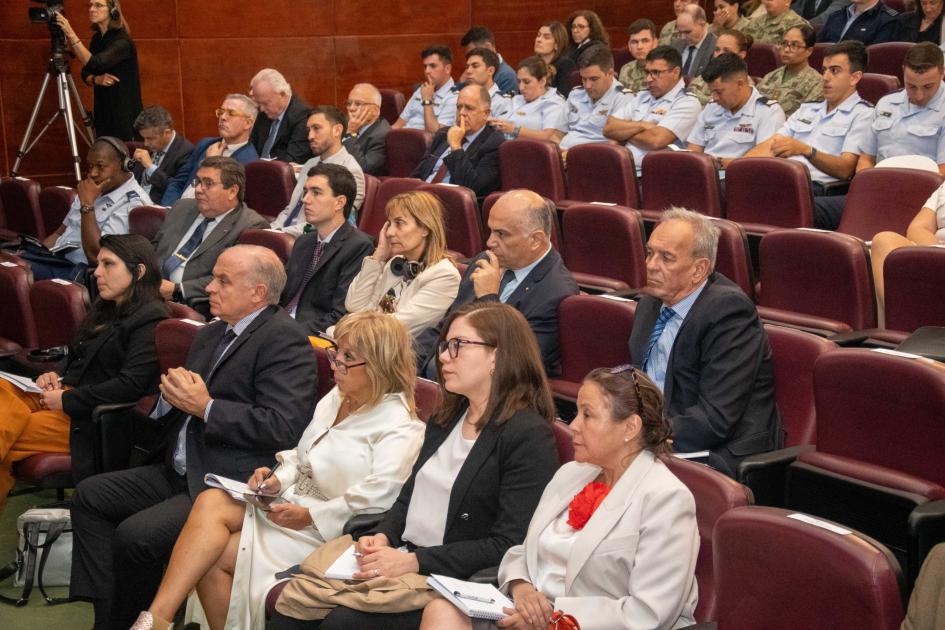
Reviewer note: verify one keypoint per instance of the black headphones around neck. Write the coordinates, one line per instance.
(126, 162)
(408, 269)
(115, 11)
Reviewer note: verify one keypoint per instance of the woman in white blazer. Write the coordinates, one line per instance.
(628, 563)
(409, 274)
(352, 459)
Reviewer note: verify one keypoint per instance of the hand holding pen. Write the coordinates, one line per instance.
(263, 480)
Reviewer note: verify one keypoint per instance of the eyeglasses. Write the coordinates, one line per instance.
(453, 345)
(206, 182)
(340, 365)
(231, 113)
(626, 367)
(656, 74)
(351, 103)
(793, 45)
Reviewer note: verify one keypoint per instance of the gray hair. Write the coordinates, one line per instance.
(154, 117)
(247, 104)
(374, 92)
(705, 234)
(274, 78)
(539, 216)
(264, 268)
(696, 12)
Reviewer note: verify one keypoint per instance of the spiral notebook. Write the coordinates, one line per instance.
(480, 601)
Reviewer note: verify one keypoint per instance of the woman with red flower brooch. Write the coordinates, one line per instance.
(614, 539)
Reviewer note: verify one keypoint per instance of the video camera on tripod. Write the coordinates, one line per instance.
(47, 15)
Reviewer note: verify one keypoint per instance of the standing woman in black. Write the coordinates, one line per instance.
(110, 65)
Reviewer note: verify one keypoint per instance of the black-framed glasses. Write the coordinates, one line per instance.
(793, 45)
(453, 345)
(206, 182)
(626, 367)
(656, 74)
(340, 365)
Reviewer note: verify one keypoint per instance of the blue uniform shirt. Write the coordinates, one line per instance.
(677, 111)
(548, 111)
(586, 118)
(505, 77)
(444, 106)
(900, 128)
(721, 133)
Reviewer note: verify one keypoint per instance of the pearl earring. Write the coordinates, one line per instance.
(626, 439)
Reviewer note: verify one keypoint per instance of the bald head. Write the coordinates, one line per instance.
(246, 278)
(520, 228)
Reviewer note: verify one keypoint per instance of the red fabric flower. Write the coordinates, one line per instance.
(585, 502)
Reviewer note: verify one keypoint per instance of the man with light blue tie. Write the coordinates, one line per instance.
(699, 338)
(280, 134)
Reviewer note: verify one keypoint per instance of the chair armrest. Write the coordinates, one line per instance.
(765, 473)
(102, 410)
(926, 529)
(867, 337)
(840, 187)
(360, 524)
(489, 575)
(114, 436)
(705, 625)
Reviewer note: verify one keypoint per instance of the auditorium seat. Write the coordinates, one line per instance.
(662, 173)
(326, 377)
(715, 494)
(276, 240)
(755, 207)
(269, 185)
(19, 200)
(816, 280)
(17, 329)
(461, 218)
(873, 87)
(531, 164)
(601, 172)
(564, 441)
(146, 220)
(777, 572)
(427, 396)
(59, 308)
(392, 103)
(54, 204)
(622, 56)
(763, 58)
(733, 259)
(883, 199)
(887, 58)
(816, 59)
(604, 249)
(371, 186)
(593, 331)
(405, 149)
(182, 311)
(373, 217)
(914, 277)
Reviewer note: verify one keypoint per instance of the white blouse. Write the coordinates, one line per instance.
(554, 547)
(548, 111)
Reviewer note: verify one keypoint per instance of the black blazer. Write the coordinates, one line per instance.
(703, 54)
(493, 496)
(263, 392)
(719, 390)
(291, 143)
(537, 298)
(118, 366)
(475, 167)
(175, 158)
(323, 299)
(370, 148)
(116, 106)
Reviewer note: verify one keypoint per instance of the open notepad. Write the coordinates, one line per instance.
(241, 492)
(24, 384)
(481, 601)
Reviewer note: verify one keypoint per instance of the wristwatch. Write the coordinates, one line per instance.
(813, 154)
(426, 102)
(86, 208)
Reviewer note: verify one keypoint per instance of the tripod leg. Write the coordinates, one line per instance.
(89, 134)
(65, 107)
(21, 153)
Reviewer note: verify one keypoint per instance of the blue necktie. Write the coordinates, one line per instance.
(294, 214)
(666, 314)
(507, 277)
(273, 131)
(178, 258)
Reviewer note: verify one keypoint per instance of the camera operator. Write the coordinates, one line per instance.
(110, 64)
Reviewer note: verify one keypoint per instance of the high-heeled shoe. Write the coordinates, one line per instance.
(147, 621)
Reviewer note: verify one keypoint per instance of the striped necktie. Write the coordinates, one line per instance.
(666, 314)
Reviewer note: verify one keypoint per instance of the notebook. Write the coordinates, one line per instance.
(241, 492)
(480, 601)
(344, 567)
(23, 383)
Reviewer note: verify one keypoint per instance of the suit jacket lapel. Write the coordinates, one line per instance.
(480, 451)
(692, 316)
(533, 278)
(239, 341)
(333, 246)
(219, 232)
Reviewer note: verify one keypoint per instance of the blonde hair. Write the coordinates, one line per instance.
(385, 345)
(427, 210)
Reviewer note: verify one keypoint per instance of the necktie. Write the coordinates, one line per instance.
(666, 314)
(690, 55)
(273, 131)
(156, 161)
(179, 257)
(507, 277)
(294, 302)
(225, 342)
(294, 214)
(443, 171)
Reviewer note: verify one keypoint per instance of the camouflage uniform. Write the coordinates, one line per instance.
(807, 85)
(633, 76)
(700, 89)
(668, 34)
(740, 25)
(771, 30)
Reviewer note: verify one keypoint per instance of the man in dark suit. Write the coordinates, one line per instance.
(817, 11)
(234, 121)
(366, 136)
(868, 21)
(519, 268)
(280, 132)
(166, 152)
(696, 43)
(466, 154)
(699, 338)
(197, 230)
(325, 261)
(246, 392)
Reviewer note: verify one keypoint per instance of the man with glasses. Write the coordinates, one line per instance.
(696, 43)
(235, 119)
(794, 82)
(197, 230)
(661, 115)
(366, 136)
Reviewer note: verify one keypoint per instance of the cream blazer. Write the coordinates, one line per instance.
(633, 565)
(423, 302)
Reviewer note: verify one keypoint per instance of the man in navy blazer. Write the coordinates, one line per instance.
(366, 135)
(165, 154)
(699, 338)
(234, 121)
(519, 268)
(280, 132)
(466, 154)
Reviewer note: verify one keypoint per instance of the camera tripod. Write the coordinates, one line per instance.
(58, 72)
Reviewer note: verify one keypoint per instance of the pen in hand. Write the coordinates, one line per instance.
(262, 484)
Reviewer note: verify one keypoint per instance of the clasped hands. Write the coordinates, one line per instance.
(532, 609)
(51, 398)
(378, 559)
(186, 391)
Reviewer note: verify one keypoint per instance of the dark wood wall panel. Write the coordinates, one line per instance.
(193, 52)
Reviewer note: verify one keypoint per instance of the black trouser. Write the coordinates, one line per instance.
(125, 524)
(828, 210)
(342, 618)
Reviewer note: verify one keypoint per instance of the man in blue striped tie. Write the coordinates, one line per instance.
(698, 337)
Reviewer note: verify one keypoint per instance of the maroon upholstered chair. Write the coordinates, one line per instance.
(326, 379)
(19, 199)
(173, 338)
(17, 329)
(755, 207)
(392, 103)
(182, 311)
(146, 220)
(593, 331)
(428, 396)
(873, 87)
(780, 573)
(715, 494)
(531, 164)
(883, 199)
(59, 307)
(621, 56)
(276, 240)
(887, 58)
(405, 149)
(816, 59)
(373, 217)
(54, 204)
(733, 259)
(564, 441)
(461, 217)
(914, 277)
(763, 58)
(900, 6)
(604, 249)
(816, 280)
(371, 186)
(663, 171)
(269, 185)
(601, 172)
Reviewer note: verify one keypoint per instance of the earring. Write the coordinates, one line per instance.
(491, 371)
(626, 439)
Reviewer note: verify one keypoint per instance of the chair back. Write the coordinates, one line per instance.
(605, 246)
(146, 221)
(602, 172)
(392, 103)
(427, 396)
(405, 149)
(534, 165)
(763, 58)
(885, 199)
(269, 185)
(373, 217)
(873, 87)
(755, 208)
(276, 240)
(19, 200)
(461, 218)
(172, 339)
(17, 328)
(54, 204)
(733, 259)
(887, 58)
(664, 170)
(914, 277)
(59, 308)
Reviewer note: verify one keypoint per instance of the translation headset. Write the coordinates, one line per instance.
(115, 11)
(407, 269)
(126, 161)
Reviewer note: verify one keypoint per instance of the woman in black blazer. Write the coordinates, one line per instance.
(111, 360)
(492, 436)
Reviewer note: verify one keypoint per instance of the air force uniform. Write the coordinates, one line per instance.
(111, 215)
(900, 128)
(444, 107)
(832, 133)
(548, 111)
(723, 134)
(501, 103)
(676, 111)
(586, 119)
